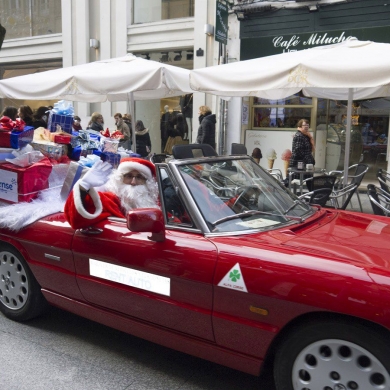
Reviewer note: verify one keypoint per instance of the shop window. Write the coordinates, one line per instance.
(146, 11)
(369, 133)
(26, 18)
(282, 113)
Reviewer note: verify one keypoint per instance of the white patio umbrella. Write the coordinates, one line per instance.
(345, 71)
(125, 78)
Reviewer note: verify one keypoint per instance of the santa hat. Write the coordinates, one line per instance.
(144, 167)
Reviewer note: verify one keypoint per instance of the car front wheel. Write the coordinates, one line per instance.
(333, 355)
(20, 294)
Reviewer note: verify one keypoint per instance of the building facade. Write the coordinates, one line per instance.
(270, 27)
(48, 34)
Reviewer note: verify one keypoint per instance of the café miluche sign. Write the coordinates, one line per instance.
(270, 45)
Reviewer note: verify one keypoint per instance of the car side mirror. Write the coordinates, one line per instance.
(147, 220)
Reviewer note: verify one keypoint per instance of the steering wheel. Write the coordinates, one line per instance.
(245, 190)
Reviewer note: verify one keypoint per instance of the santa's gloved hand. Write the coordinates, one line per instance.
(96, 176)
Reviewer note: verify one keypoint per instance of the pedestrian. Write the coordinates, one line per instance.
(175, 134)
(206, 131)
(127, 120)
(302, 148)
(142, 139)
(41, 117)
(26, 114)
(77, 123)
(10, 112)
(96, 123)
(124, 129)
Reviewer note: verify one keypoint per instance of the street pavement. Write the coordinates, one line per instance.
(59, 351)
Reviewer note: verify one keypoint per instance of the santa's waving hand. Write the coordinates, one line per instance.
(96, 176)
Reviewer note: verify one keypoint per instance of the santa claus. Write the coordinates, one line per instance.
(132, 185)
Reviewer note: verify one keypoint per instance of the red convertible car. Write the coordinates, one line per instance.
(234, 269)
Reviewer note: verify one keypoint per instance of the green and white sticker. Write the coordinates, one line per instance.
(234, 280)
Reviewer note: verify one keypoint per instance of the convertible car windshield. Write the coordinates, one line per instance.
(237, 195)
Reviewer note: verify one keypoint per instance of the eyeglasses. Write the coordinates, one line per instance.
(306, 125)
(136, 177)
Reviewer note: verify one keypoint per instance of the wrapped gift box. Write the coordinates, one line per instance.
(21, 184)
(19, 139)
(5, 138)
(50, 149)
(16, 139)
(62, 139)
(113, 158)
(64, 121)
(74, 173)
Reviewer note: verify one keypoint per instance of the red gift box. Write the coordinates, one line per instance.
(62, 139)
(21, 184)
(5, 138)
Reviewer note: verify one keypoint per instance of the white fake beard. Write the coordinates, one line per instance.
(133, 197)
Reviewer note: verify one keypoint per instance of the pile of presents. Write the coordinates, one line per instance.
(28, 156)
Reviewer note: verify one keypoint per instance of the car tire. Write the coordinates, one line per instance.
(333, 355)
(20, 294)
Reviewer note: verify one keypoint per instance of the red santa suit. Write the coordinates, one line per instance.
(97, 206)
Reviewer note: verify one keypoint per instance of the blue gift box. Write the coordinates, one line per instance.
(19, 139)
(65, 121)
(113, 158)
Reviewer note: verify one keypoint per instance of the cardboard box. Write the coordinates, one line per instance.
(21, 184)
(64, 121)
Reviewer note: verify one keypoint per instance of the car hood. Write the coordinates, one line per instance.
(356, 237)
(347, 237)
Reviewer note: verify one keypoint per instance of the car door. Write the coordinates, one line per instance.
(167, 283)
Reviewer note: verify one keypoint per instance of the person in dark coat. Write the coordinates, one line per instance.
(142, 139)
(97, 122)
(41, 117)
(26, 114)
(206, 131)
(11, 112)
(77, 123)
(302, 149)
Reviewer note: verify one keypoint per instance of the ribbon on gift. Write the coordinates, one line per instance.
(6, 123)
(84, 141)
(63, 107)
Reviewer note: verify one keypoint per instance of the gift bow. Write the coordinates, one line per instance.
(115, 135)
(84, 141)
(63, 108)
(7, 123)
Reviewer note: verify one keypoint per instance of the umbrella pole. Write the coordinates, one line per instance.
(348, 136)
(130, 101)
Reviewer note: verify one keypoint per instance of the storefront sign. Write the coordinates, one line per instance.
(266, 46)
(9, 186)
(221, 22)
